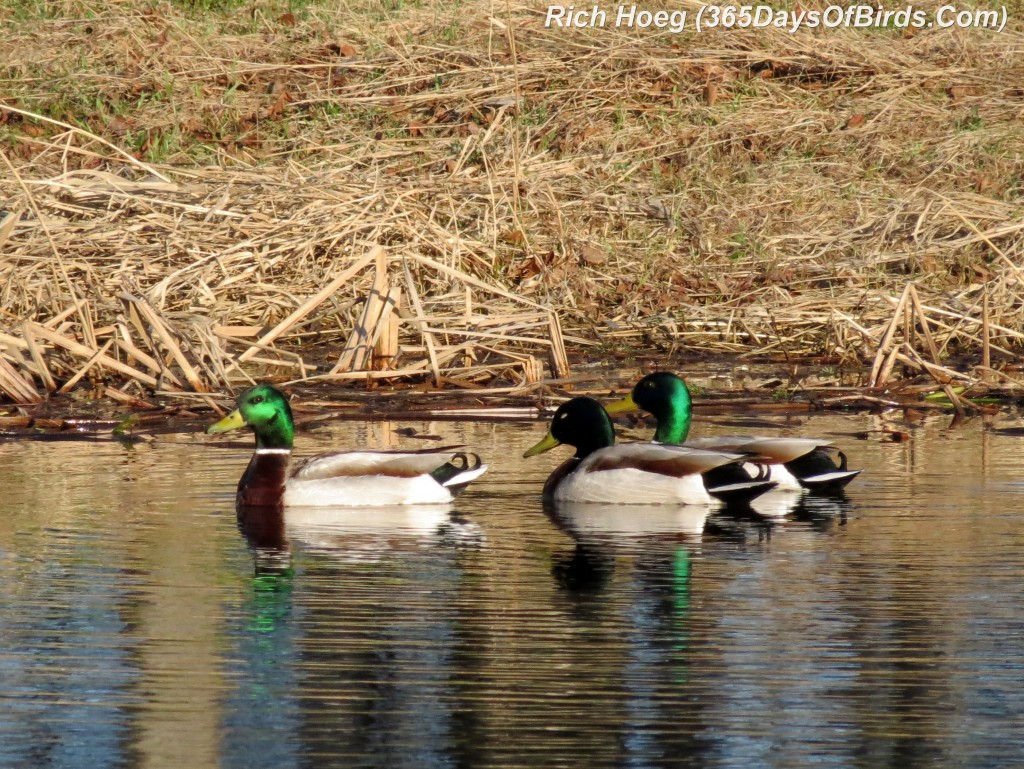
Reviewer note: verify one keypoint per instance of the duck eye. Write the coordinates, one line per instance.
(257, 399)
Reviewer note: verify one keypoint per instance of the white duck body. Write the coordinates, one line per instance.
(638, 474)
(378, 478)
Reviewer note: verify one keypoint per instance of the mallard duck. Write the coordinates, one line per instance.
(343, 478)
(795, 463)
(635, 473)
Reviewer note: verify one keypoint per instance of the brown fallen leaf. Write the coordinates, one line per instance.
(287, 19)
(592, 254)
(711, 93)
(959, 92)
(655, 209)
(856, 120)
(277, 108)
(118, 126)
(514, 237)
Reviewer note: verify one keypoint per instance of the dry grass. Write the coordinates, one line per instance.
(196, 194)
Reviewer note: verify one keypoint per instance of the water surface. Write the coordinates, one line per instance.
(139, 627)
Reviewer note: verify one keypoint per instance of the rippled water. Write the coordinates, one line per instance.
(139, 628)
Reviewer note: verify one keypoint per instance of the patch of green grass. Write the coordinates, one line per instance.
(210, 5)
(29, 10)
(1016, 187)
(743, 245)
(451, 32)
(535, 115)
(972, 121)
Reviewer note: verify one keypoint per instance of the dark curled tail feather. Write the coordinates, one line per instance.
(818, 472)
(733, 485)
(460, 462)
(731, 473)
(814, 463)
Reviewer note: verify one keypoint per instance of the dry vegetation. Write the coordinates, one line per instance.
(196, 194)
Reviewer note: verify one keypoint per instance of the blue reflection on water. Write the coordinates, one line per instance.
(261, 714)
(66, 667)
(326, 663)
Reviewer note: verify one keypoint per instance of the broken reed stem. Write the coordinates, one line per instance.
(559, 358)
(80, 350)
(126, 345)
(986, 351)
(42, 369)
(958, 404)
(69, 385)
(875, 378)
(428, 338)
(310, 304)
(360, 341)
(907, 311)
(923, 321)
(15, 386)
(164, 334)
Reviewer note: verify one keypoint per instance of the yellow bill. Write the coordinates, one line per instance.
(546, 443)
(231, 422)
(622, 405)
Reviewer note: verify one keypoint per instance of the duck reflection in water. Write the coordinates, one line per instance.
(351, 534)
(643, 627)
(349, 638)
(264, 530)
(601, 532)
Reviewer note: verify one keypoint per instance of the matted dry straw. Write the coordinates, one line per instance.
(346, 192)
(224, 290)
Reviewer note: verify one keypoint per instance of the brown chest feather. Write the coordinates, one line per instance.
(262, 483)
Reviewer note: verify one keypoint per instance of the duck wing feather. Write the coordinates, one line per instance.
(660, 459)
(779, 450)
(400, 464)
